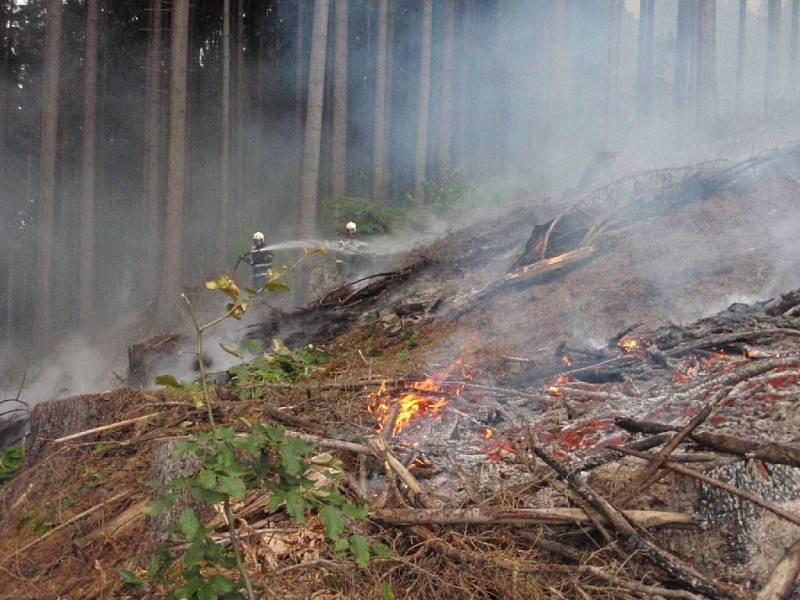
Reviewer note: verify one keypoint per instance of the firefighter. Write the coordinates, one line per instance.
(351, 229)
(259, 258)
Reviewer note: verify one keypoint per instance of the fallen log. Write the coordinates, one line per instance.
(485, 515)
(682, 572)
(548, 265)
(781, 583)
(772, 452)
(713, 341)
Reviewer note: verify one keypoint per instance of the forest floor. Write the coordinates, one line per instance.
(639, 312)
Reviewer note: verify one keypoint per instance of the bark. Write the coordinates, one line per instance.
(379, 135)
(557, 76)
(176, 160)
(87, 233)
(706, 60)
(299, 72)
(339, 142)
(682, 43)
(741, 47)
(152, 141)
(423, 114)
(313, 131)
(49, 141)
(772, 71)
(782, 580)
(446, 99)
(794, 58)
(615, 12)
(462, 90)
(225, 158)
(645, 57)
(241, 108)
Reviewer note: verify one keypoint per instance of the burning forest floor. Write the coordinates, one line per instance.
(515, 404)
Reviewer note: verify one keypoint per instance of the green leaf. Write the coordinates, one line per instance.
(254, 346)
(231, 350)
(356, 512)
(130, 577)
(194, 554)
(333, 521)
(205, 496)
(160, 505)
(206, 593)
(275, 286)
(359, 546)
(226, 284)
(206, 479)
(275, 502)
(169, 381)
(295, 506)
(221, 584)
(190, 524)
(386, 591)
(382, 550)
(233, 486)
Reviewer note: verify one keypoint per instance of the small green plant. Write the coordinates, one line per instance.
(371, 216)
(231, 463)
(10, 461)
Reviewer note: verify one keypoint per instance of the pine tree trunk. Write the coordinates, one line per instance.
(299, 75)
(615, 12)
(379, 128)
(463, 89)
(339, 142)
(387, 111)
(152, 144)
(313, 132)
(445, 115)
(87, 234)
(557, 76)
(423, 115)
(683, 43)
(706, 61)
(741, 46)
(645, 58)
(225, 158)
(49, 141)
(772, 71)
(794, 59)
(171, 280)
(242, 104)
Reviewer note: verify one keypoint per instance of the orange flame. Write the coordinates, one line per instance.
(415, 402)
(488, 433)
(566, 360)
(554, 390)
(629, 345)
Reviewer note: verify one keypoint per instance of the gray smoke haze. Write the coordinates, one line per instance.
(521, 128)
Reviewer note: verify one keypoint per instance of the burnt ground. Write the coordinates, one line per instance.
(646, 300)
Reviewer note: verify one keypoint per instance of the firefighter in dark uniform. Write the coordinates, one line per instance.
(260, 259)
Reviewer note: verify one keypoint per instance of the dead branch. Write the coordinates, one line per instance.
(727, 338)
(772, 452)
(716, 483)
(548, 265)
(782, 580)
(287, 419)
(111, 426)
(682, 572)
(540, 516)
(380, 449)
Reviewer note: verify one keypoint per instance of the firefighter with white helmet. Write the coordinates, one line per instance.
(259, 258)
(351, 229)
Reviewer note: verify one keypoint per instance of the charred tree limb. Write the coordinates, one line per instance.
(682, 572)
(727, 338)
(772, 452)
(485, 515)
(782, 580)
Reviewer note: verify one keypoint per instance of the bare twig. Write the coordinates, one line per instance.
(109, 427)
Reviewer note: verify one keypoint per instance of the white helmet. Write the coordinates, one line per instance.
(351, 227)
(258, 236)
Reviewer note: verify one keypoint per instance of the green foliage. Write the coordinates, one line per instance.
(445, 194)
(282, 365)
(193, 389)
(371, 216)
(10, 461)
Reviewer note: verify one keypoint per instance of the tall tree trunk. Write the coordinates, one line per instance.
(387, 111)
(171, 280)
(88, 174)
(299, 74)
(49, 141)
(741, 47)
(423, 115)
(557, 75)
(683, 43)
(794, 59)
(772, 71)
(379, 129)
(313, 133)
(241, 110)
(225, 158)
(445, 113)
(339, 142)
(615, 12)
(463, 92)
(152, 145)
(706, 60)
(645, 57)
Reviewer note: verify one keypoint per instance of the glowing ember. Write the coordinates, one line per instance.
(565, 360)
(488, 433)
(554, 390)
(629, 345)
(418, 399)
